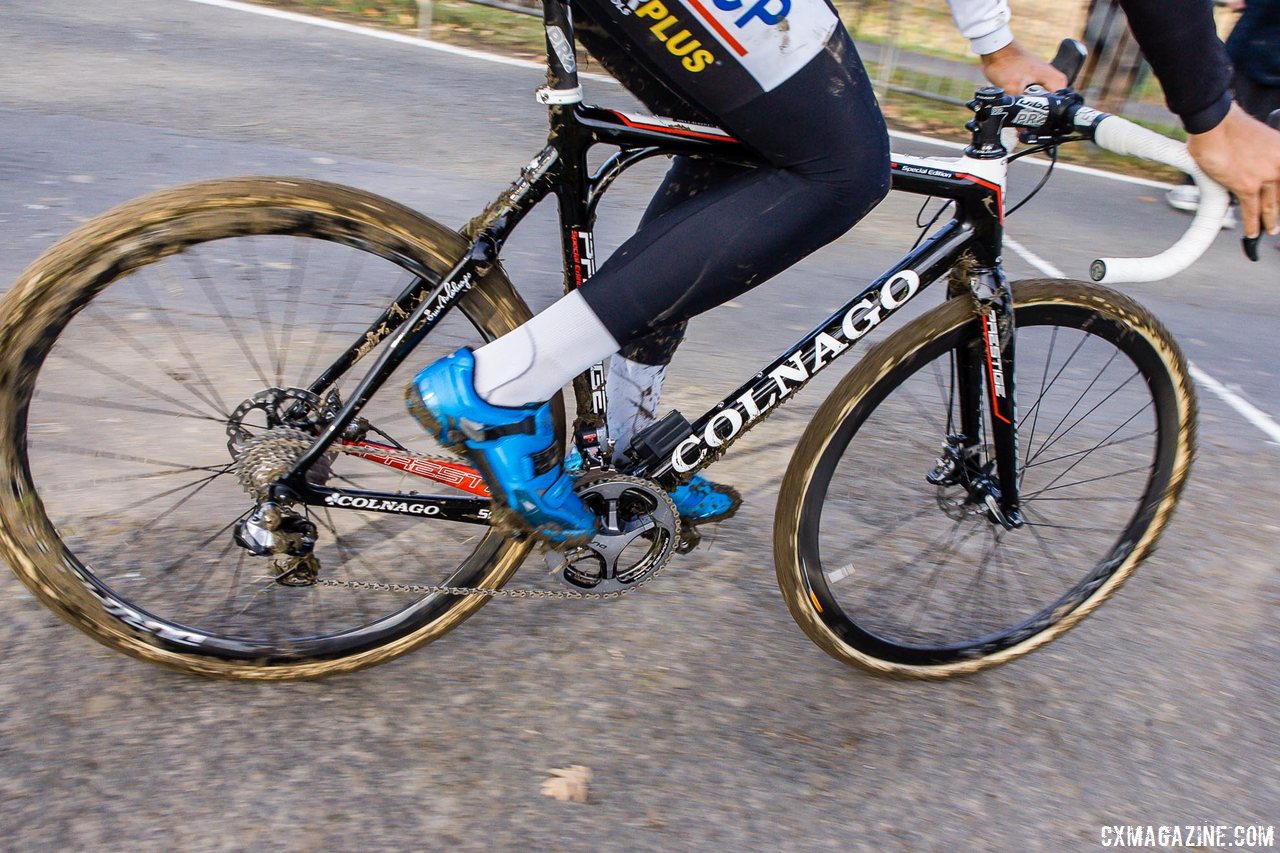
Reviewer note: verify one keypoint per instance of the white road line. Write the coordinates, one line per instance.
(1250, 412)
(1034, 259)
(401, 38)
(387, 35)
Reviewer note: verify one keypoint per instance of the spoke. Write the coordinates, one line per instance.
(946, 391)
(1054, 381)
(196, 490)
(379, 528)
(947, 552)
(1091, 449)
(258, 290)
(235, 583)
(1074, 527)
(204, 576)
(177, 468)
(220, 307)
(293, 296)
(330, 323)
(349, 557)
(1051, 439)
(200, 482)
(929, 414)
(1087, 500)
(1056, 438)
(220, 531)
(974, 583)
(1035, 408)
(1051, 488)
(1014, 569)
(1105, 438)
(116, 405)
(111, 373)
(900, 523)
(936, 553)
(209, 395)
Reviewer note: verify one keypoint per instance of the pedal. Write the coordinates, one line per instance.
(689, 539)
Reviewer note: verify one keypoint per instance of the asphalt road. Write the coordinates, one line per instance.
(708, 719)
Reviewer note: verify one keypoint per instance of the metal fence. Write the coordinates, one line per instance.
(912, 49)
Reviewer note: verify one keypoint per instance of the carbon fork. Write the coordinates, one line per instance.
(989, 361)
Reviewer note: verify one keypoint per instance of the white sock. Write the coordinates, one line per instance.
(634, 390)
(533, 362)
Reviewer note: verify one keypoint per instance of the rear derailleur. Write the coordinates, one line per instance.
(289, 539)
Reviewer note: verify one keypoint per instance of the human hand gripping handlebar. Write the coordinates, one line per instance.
(1251, 243)
(1062, 116)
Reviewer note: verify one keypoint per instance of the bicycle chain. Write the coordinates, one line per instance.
(259, 453)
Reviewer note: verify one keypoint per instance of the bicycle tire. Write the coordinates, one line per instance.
(852, 582)
(47, 311)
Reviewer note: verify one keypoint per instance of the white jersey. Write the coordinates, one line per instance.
(985, 23)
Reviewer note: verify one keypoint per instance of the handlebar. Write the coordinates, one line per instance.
(1125, 137)
(1046, 117)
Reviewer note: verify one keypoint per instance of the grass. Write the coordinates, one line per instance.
(931, 32)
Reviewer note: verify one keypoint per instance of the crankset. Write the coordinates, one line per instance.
(639, 531)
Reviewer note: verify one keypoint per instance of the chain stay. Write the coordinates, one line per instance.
(289, 441)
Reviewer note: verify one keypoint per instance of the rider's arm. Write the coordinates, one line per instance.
(1180, 41)
(1238, 151)
(985, 23)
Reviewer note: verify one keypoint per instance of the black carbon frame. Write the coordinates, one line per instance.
(974, 236)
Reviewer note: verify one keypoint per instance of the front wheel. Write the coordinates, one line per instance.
(886, 552)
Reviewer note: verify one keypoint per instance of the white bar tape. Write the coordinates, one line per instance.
(1125, 137)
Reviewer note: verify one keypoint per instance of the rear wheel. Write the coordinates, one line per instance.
(147, 353)
(887, 554)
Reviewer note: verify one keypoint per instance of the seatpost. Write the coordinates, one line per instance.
(562, 65)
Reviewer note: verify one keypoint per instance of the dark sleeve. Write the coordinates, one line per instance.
(1180, 41)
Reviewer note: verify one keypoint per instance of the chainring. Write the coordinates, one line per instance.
(639, 531)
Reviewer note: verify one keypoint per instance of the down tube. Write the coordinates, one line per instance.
(744, 408)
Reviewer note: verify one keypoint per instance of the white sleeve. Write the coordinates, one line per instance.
(985, 23)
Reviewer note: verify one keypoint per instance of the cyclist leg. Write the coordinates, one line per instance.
(637, 372)
(814, 120)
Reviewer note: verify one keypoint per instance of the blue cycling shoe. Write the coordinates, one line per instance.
(514, 449)
(701, 501)
(698, 501)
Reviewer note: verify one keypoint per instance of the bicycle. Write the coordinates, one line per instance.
(283, 526)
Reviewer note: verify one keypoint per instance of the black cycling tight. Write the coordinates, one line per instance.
(714, 231)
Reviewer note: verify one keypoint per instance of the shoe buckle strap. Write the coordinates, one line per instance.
(545, 460)
(479, 432)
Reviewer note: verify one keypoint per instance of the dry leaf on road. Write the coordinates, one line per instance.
(568, 784)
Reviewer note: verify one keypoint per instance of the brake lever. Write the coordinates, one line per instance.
(1250, 244)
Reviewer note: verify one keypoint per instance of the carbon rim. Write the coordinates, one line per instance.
(904, 572)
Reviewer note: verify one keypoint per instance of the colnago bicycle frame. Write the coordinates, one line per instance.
(970, 241)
